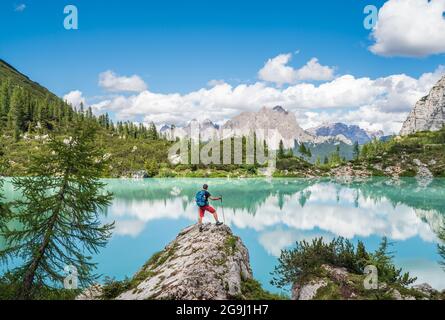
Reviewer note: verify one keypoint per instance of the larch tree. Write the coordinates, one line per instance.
(59, 214)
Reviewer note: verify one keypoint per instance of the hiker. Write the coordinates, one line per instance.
(202, 200)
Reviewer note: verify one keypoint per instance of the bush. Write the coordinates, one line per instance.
(306, 259)
(112, 288)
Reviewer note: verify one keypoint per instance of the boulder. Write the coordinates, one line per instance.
(208, 265)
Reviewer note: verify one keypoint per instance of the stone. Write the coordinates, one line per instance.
(429, 112)
(307, 291)
(426, 289)
(208, 265)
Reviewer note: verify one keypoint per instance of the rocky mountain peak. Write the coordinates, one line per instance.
(280, 109)
(208, 265)
(428, 113)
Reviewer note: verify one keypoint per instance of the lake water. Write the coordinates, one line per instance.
(270, 215)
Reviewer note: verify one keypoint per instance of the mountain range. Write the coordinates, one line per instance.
(279, 120)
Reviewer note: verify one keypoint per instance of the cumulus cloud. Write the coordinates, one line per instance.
(75, 98)
(112, 82)
(278, 71)
(20, 7)
(413, 28)
(377, 104)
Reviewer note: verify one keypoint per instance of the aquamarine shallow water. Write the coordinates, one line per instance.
(270, 215)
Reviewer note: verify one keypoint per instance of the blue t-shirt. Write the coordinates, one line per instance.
(207, 196)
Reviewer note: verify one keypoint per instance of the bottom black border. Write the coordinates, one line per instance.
(163, 310)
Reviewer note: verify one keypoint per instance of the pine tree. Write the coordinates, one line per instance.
(4, 209)
(4, 102)
(16, 112)
(59, 213)
(356, 151)
(441, 247)
(281, 151)
(153, 132)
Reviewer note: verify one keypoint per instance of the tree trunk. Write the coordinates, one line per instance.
(28, 279)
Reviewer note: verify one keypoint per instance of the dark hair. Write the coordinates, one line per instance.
(205, 187)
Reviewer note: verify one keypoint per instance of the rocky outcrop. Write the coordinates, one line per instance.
(209, 265)
(428, 113)
(335, 283)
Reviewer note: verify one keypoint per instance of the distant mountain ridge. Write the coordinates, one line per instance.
(282, 122)
(352, 132)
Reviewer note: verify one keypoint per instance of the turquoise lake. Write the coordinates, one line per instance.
(270, 215)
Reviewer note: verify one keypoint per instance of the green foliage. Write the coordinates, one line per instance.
(252, 290)
(281, 152)
(356, 151)
(307, 258)
(305, 151)
(10, 285)
(382, 258)
(152, 168)
(59, 213)
(441, 247)
(230, 245)
(4, 208)
(111, 288)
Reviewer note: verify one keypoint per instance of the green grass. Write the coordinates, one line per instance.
(252, 290)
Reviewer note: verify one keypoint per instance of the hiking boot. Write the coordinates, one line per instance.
(200, 229)
(219, 223)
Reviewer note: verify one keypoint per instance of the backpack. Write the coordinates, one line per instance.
(201, 200)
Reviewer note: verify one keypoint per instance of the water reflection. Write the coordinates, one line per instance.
(270, 215)
(397, 209)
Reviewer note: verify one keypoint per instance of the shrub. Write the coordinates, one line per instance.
(306, 259)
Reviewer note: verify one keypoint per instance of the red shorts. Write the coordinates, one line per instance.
(202, 210)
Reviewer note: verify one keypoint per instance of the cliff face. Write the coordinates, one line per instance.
(285, 123)
(429, 112)
(211, 265)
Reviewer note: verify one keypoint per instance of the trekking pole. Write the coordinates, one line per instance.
(222, 208)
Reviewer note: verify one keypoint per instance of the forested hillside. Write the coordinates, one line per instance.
(29, 113)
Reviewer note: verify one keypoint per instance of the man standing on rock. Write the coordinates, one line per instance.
(202, 201)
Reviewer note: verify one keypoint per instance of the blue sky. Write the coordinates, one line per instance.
(179, 46)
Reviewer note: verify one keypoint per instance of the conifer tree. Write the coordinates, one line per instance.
(16, 112)
(3, 207)
(59, 213)
(356, 151)
(4, 102)
(152, 132)
(281, 151)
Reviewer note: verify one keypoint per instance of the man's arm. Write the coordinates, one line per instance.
(215, 199)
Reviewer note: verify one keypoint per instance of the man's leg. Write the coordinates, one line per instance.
(200, 216)
(215, 215)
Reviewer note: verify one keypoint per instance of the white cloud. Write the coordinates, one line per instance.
(313, 70)
(278, 71)
(381, 103)
(110, 81)
(20, 8)
(75, 98)
(413, 28)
